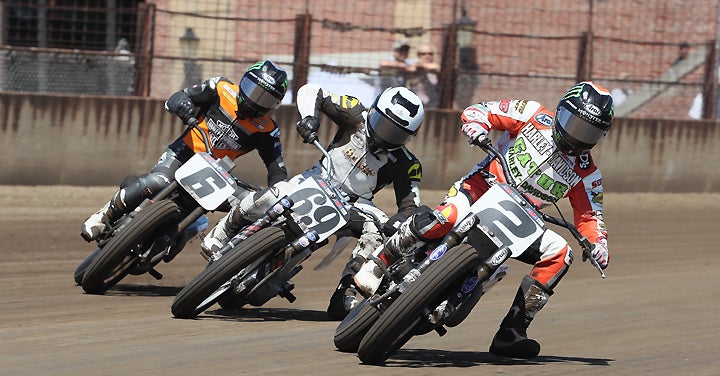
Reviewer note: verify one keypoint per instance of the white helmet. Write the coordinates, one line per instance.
(394, 118)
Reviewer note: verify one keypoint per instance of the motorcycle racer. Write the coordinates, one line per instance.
(368, 153)
(235, 117)
(549, 156)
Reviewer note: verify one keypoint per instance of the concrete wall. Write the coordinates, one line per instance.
(77, 140)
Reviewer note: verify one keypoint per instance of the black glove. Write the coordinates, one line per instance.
(308, 127)
(185, 110)
(391, 226)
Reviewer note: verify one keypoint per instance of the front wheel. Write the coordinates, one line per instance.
(115, 260)
(402, 319)
(214, 282)
(353, 328)
(80, 270)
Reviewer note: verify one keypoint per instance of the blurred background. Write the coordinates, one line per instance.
(658, 57)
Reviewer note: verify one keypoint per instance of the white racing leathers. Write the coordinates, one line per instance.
(357, 170)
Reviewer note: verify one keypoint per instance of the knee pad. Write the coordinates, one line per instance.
(137, 188)
(253, 206)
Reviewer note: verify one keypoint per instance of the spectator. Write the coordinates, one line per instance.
(393, 71)
(424, 81)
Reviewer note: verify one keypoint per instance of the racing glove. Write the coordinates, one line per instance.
(600, 253)
(185, 110)
(308, 127)
(475, 132)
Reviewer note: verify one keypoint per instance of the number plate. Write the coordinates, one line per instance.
(514, 224)
(208, 183)
(318, 207)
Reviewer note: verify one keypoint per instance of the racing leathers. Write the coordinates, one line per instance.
(214, 104)
(359, 169)
(524, 135)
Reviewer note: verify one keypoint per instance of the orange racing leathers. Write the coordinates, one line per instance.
(525, 137)
(231, 135)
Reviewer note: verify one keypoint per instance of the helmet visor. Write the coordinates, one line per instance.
(577, 128)
(386, 134)
(257, 95)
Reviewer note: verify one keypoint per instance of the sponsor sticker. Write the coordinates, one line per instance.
(438, 252)
(469, 284)
(544, 119)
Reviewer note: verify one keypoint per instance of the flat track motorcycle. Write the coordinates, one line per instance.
(158, 229)
(258, 262)
(441, 290)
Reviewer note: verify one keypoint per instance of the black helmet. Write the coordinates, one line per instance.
(394, 118)
(262, 88)
(582, 118)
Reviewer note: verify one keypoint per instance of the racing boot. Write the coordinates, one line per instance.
(404, 242)
(511, 339)
(226, 228)
(344, 299)
(97, 223)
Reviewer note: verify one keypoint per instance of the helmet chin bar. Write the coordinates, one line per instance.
(567, 144)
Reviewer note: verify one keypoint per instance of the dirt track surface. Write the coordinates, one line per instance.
(655, 314)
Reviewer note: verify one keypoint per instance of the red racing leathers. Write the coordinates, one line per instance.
(548, 175)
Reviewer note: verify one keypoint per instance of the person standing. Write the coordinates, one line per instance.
(394, 71)
(424, 77)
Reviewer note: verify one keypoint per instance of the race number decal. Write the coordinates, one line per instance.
(317, 209)
(510, 222)
(205, 181)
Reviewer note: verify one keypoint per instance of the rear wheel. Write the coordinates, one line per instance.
(353, 328)
(404, 318)
(213, 283)
(115, 260)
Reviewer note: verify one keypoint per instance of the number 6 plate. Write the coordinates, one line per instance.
(208, 183)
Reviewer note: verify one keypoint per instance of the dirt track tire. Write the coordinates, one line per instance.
(114, 262)
(397, 324)
(189, 301)
(80, 270)
(353, 328)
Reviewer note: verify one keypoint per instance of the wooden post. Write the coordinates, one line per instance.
(709, 110)
(301, 59)
(144, 50)
(584, 62)
(448, 68)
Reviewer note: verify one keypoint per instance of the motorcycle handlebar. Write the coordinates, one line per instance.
(320, 147)
(486, 145)
(192, 122)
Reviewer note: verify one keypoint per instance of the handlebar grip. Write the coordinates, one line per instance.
(483, 144)
(312, 138)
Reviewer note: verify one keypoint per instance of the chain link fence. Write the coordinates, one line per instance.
(486, 50)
